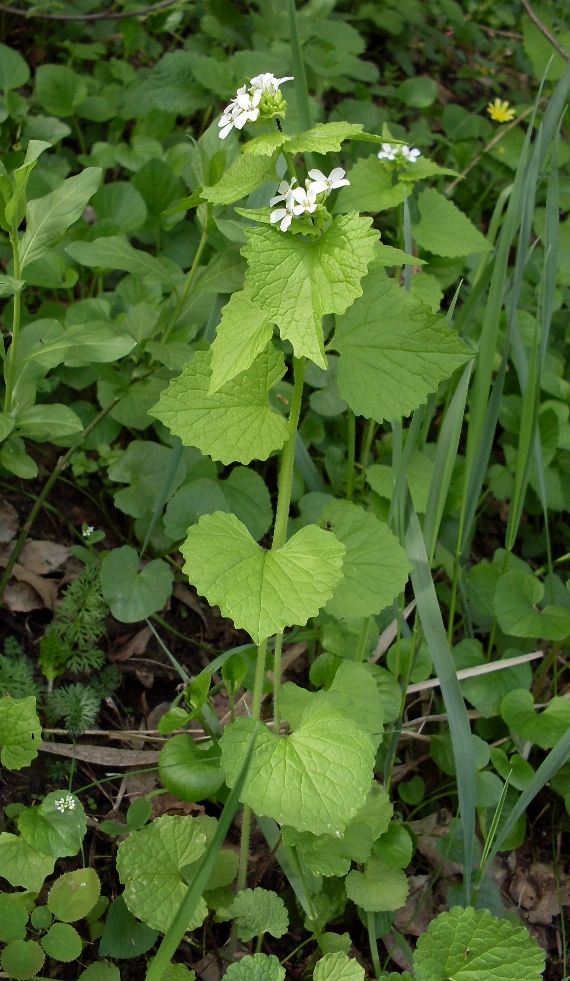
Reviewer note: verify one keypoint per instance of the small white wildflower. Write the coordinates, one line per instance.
(305, 198)
(320, 183)
(297, 201)
(283, 191)
(70, 802)
(409, 154)
(388, 152)
(244, 107)
(268, 84)
(59, 804)
(285, 216)
(66, 803)
(87, 531)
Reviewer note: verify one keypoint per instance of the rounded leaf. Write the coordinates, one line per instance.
(74, 894)
(22, 959)
(62, 942)
(134, 595)
(188, 771)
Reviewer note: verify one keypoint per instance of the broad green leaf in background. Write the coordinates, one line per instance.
(546, 61)
(62, 942)
(134, 595)
(258, 911)
(313, 780)
(13, 918)
(234, 424)
(263, 592)
(379, 888)
(188, 770)
(468, 945)
(59, 89)
(545, 728)
(142, 466)
(20, 731)
(10, 285)
(338, 967)
(375, 567)
(244, 493)
(371, 188)
(55, 827)
(394, 351)
(21, 864)
(14, 71)
(323, 276)
(444, 230)
(242, 334)
(48, 423)
(256, 967)
(328, 137)
(22, 959)
(74, 894)
(115, 252)
(100, 971)
(49, 217)
(239, 180)
(516, 596)
(151, 864)
(123, 935)
(419, 471)
(80, 344)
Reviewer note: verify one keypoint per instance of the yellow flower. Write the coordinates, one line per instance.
(500, 112)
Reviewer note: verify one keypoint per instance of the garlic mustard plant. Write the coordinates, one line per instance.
(389, 152)
(262, 101)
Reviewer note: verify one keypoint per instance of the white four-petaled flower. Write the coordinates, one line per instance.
(244, 108)
(389, 152)
(268, 84)
(320, 183)
(303, 200)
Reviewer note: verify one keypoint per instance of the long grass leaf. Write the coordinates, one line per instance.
(459, 727)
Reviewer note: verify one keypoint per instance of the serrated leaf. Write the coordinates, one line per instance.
(329, 137)
(62, 942)
(394, 352)
(444, 230)
(313, 780)
(49, 217)
(150, 864)
(51, 830)
(323, 276)
(236, 423)
(245, 174)
(13, 918)
(371, 188)
(132, 594)
(20, 731)
(21, 865)
(100, 971)
(468, 944)
(22, 959)
(516, 597)
(338, 967)
(375, 567)
(262, 591)
(258, 911)
(544, 728)
(243, 332)
(379, 888)
(256, 967)
(265, 144)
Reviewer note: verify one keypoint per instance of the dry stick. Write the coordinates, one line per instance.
(496, 139)
(62, 463)
(544, 30)
(106, 15)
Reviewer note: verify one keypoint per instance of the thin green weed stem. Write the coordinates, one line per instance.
(367, 443)
(350, 455)
(12, 356)
(191, 276)
(359, 653)
(373, 943)
(277, 684)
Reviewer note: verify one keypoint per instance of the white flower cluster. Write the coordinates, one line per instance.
(87, 531)
(66, 803)
(389, 152)
(303, 200)
(245, 106)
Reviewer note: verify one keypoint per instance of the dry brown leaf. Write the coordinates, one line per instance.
(429, 832)
(136, 645)
(535, 890)
(8, 522)
(421, 906)
(186, 596)
(103, 755)
(22, 601)
(19, 597)
(42, 557)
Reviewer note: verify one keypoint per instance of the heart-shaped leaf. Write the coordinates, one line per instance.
(544, 729)
(263, 592)
(313, 780)
(134, 595)
(516, 596)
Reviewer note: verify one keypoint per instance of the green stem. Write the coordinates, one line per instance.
(367, 444)
(350, 455)
(63, 461)
(188, 284)
(13, 352)
(79, 134)
(359, 655)
(255, 713)
(301, 89)
(373, 943)
(288, 459)
(277, 683)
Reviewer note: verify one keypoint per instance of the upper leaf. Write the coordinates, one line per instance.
(49, 217)
(263, 592)
(375, 568)
(245, 174)
(297, 282)
(259, 911)
(242, 334)
(328, 137)
(472, 945)
(256, 967)
(57, 827)
(394, 352)
(338, 967)
(379, 888)
(444, 229)
(234, 423)
(314, 780)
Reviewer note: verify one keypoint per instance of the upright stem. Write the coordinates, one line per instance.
(277, 684)
(350, 455)
(187, 285)
(288, 459)
(367, 444)
(301, 89)
(13, 352)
